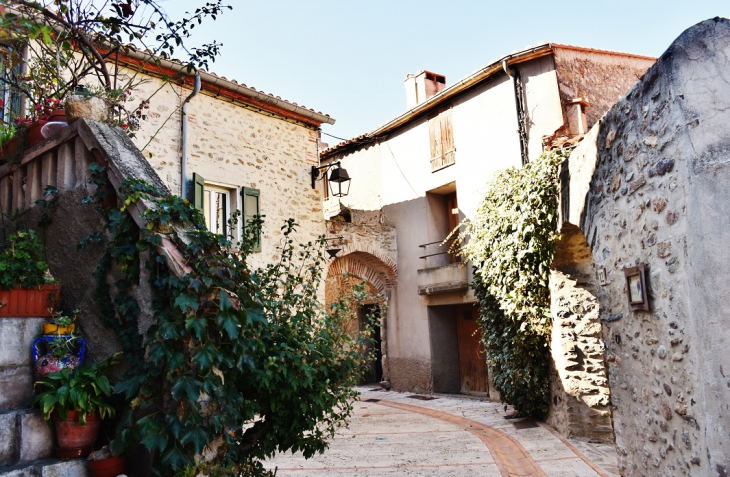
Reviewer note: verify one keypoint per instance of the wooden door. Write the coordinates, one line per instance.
(472, 358)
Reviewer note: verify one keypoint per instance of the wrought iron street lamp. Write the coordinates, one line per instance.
(338, 176)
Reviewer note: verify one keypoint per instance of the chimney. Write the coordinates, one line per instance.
(421, 86)
(575, 111)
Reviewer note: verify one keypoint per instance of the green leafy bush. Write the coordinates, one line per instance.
(239, 361)
(85, 390)
(511, 242)
(23, 261)
(7, 133)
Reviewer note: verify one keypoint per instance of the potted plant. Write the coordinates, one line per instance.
(61, 352)
(77, 401)
(103, 464)
(8, 140)
(61, 324)
(27, 288)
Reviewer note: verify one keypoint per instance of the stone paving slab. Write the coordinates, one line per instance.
(392, 434)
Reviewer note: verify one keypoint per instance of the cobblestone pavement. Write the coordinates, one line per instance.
(394, 434)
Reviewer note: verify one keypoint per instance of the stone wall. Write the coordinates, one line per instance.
(599, 77)
(234, 146)
(658, 165)
(578, 382)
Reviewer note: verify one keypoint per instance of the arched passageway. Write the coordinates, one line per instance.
(380, 279)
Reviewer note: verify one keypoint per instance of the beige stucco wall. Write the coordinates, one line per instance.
(235, 146)
(658, 195)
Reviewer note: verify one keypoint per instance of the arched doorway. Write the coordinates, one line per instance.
(380, 278)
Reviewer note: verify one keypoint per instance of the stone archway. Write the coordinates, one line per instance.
(380, 275)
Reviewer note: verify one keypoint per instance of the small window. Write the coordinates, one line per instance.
(216, 205)
(214, 201)
(251, 208)
(10, 70)
(441, 136)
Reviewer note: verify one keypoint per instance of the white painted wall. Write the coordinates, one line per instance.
(486, 140)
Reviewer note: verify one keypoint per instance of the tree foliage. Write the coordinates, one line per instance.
(23, 261)
(238, 362)
(73, 43)
(510, 241)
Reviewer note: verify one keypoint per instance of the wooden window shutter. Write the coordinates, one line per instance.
(251, 208)
(441, 134)
(447, 134)
(434, 134)
(198, 191)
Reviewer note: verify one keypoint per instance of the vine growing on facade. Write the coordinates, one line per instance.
(510, 241)
(237, 363)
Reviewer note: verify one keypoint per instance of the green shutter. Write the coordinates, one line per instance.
(198, 191)
(251, 208)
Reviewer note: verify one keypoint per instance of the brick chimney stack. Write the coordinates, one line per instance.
(421, 86)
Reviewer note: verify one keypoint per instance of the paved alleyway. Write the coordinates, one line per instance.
(392, 434)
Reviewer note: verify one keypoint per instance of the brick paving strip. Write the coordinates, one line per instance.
(510, 457)
(570, 446)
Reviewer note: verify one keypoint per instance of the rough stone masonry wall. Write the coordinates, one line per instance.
(578, 382)
(236, 146)
(659, 195)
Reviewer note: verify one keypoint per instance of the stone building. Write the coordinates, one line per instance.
(241, 144)
(244, 147)
(648, 189)
(415, 177)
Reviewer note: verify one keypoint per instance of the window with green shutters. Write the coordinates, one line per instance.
(216, 201)
(251, 208)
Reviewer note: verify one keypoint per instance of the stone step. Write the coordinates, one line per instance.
(16, 339)
(24, 437)
(47, 468)
(16, 387)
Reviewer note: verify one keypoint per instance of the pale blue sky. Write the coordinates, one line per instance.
(349, 58)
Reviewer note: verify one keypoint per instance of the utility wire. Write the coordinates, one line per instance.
(398, 166)
(391, 153)
(330, 135)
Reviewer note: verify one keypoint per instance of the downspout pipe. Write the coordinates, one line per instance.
(507, 69)
(514, 73)
(184, 122)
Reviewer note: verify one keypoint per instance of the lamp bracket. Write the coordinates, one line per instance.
(317, 171)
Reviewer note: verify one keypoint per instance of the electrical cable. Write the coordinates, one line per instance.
(330, 135)
(398, 166)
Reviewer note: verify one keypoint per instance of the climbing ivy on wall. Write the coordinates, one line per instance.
(237, 363)
(510, 241)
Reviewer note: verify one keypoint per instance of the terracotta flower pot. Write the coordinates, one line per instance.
(34, 133)
(29, 302)
(70, 434)
(9, 149)
(110, 467)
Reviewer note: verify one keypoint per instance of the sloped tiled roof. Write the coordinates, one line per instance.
(236, 87)
(467, 82)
